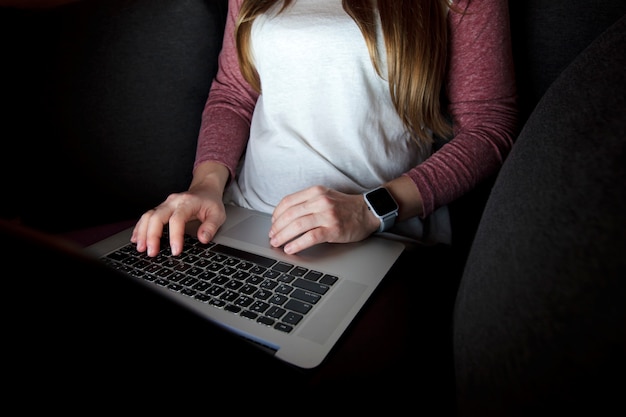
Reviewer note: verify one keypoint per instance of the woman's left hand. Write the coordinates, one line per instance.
(320, 214)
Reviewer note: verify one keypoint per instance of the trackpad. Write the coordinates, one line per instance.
(253, 229)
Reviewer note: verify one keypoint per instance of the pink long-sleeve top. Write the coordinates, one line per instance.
(480, 87)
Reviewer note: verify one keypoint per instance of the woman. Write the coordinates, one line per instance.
(317, 102)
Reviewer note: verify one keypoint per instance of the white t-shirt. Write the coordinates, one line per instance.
(335, 126)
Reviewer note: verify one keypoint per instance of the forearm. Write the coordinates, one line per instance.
(481, 91)
(476, 152)
(223, 137)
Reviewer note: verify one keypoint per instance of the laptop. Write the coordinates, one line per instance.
(330, 283)
(294, 306)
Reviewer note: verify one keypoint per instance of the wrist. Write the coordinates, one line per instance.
(210, 175)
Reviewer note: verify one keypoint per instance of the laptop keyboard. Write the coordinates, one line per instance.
(271, 292)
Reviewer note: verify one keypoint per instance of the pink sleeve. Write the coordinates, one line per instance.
(482, 103)
(225, 125)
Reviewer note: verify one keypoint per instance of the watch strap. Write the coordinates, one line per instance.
(387, 222)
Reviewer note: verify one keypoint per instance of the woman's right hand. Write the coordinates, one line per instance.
(203, 202)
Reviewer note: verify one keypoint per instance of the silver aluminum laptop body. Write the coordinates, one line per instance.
(360, 266)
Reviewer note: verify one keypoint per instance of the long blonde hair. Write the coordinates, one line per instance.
(416, 40)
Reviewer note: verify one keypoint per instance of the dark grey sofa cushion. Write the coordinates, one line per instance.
(127, 81)
(540, 316)
(548, 34)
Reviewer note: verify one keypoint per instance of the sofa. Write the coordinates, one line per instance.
(523, 314)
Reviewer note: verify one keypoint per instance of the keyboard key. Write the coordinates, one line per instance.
(282, 266)
(249, 314)
(278, 299)
(328, 279)
(292, 318)
(259, 306)
(283, 327)
(266, 321)
(298, 306)
(246, 256)
(313, 275)
(275, 312)
(306, 296)
(311, 286)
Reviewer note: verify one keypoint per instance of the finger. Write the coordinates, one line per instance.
(305, 241)
(291, 209)
(177, 222)
(184, 212)
(154, 232)
(296, 199)
(212, 221)
(138, 237)
(207, 230)
(300, 225)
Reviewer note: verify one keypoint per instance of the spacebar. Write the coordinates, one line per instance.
(246, 256)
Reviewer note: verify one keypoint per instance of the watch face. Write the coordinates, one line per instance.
(381, 201)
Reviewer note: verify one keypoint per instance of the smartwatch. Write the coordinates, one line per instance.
(381, 203)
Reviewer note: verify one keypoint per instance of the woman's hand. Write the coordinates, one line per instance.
(203, 202)
(319, 214)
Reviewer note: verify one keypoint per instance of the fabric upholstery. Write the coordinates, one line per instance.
(548, 35)
(126, 84)
(540, 318)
